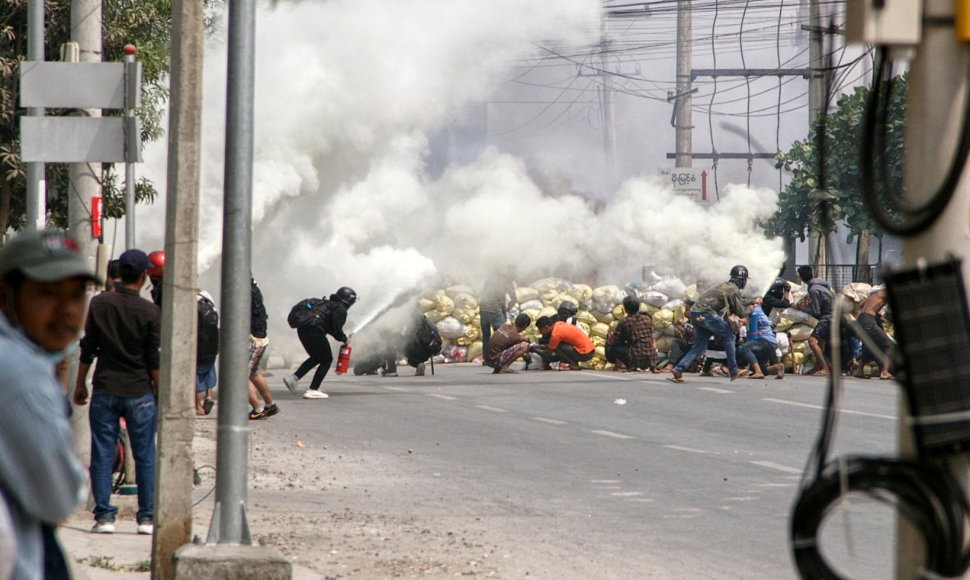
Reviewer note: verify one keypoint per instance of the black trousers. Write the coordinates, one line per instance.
(317, 345)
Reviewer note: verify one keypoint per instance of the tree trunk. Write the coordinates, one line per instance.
(863, 271)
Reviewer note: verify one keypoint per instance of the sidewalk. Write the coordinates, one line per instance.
(125, 555)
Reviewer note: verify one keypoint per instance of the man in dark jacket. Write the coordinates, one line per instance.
(330, 320)
(122, 332)
(819, 306)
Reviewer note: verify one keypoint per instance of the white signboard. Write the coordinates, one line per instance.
(687, 181)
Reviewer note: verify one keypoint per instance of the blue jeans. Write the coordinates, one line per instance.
(140, 414)
(757, 351)
(707, 325)
(490, 321)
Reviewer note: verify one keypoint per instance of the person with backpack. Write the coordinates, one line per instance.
(425, 342)
(207, 349)
(314, 319)
(819, 306)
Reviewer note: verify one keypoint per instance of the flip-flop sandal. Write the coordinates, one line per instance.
(676, 379)
(207, 406)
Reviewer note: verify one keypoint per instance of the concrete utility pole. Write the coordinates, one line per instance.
(176, 401)
(937, 89)
(84, 179)
(36, 210)
(817, 105)
(609, 114)
(683, 103)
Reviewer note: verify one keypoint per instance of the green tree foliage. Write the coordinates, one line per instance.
(803, 207)
(144, 23)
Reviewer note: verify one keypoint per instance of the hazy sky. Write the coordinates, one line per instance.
(350, 94)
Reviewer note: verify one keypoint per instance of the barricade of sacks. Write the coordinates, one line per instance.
(454, 310)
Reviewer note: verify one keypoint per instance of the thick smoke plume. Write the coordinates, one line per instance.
(348, 96)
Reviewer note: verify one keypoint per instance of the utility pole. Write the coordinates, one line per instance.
(683, 102)
(84, 179)
(176, 399)
(937, 87)
(817, 105)
(609, 115)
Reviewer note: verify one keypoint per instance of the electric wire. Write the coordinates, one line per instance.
(911, 221)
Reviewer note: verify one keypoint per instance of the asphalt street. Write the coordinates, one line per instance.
(620, 475)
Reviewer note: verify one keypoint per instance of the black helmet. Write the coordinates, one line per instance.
(567, 309)
(739, 275)
(346, 295)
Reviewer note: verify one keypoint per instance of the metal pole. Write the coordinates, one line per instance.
(683, 131)
(937, 91)
(229, 524)
(130, 165)
(36, 210)
(609, 115)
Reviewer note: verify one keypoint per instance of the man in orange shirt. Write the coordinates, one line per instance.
(568, 341)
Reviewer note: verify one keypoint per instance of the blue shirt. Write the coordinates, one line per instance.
(40, 479)
(759, 327)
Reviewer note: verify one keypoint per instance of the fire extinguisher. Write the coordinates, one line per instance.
(343, 359)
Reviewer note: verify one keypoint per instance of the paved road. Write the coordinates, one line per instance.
(615, 475)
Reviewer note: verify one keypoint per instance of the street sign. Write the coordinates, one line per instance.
(72, 139)
(74, 85)
(687, 181)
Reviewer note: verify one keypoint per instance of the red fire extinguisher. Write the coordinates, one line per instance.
(343, 359)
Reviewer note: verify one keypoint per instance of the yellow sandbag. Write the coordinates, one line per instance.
(550, 297)
(600, 352)
(648, 308)
(442, 303)
(426, 304)
(619, 312)
(465, 301)
(474, 350)
(586, 317)
(662, 319)
(604, 317)
(795, 358)
(599, 329)
(585, 327)
(435, 315)
(800, 332)
(581, 292)
(547, 311)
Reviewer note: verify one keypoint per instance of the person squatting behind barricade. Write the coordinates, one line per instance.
(324, 317)
(566, 341)
(258, 341)
(507, 345)
(123, 333)
(761, 348)
(419, 342)
(43, 283)
(871, 322)
(634, 347)
(706, 317)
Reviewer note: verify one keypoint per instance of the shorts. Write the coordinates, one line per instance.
(822, 330)
(205, 377)
(255, 356)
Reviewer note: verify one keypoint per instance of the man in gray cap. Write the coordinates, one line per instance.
(123, 333)
(43, 285)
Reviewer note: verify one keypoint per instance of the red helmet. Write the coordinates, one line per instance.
(157, 261)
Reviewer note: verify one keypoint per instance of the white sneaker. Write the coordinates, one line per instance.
(314, 394)
(292, 384)
(103, 528)
(146, 529)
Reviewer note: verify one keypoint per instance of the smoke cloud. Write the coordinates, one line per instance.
(348, 97)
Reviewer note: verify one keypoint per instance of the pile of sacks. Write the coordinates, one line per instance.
(793, 327)
(454, 311)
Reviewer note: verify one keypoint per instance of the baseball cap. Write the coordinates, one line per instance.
(134, 260)
(45, 256)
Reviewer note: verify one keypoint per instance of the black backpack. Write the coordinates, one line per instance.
(307, 311)
(208, 342)
(426, 341)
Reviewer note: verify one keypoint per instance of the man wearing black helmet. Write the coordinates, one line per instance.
(330, 319)
(706, 317)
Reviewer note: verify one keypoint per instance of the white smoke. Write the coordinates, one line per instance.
(348, 94)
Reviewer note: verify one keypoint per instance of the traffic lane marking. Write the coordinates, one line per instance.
(822, 408)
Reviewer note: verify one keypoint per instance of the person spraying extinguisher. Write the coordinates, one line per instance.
(314, 319)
